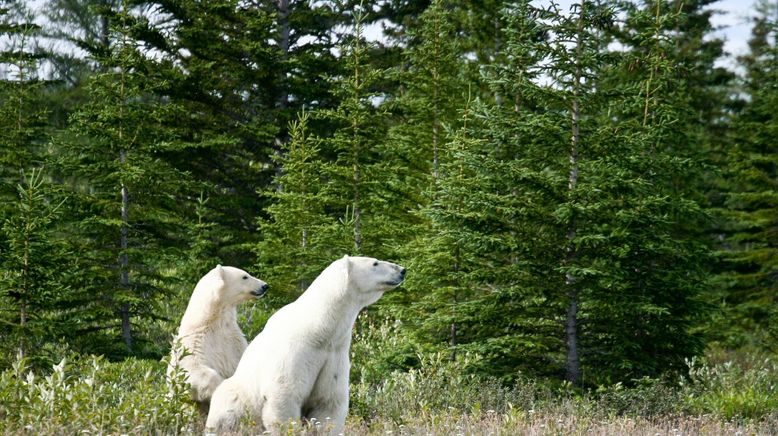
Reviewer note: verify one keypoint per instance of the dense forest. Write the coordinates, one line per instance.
(582, 195)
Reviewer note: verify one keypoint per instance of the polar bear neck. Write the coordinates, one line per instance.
(331, 324)
(206, 311)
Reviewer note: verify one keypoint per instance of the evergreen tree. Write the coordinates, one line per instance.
(125, 191)
(32, 288)
(571, 244)
(292, 252)
(354, 165)
(72, 30)
(641, 250)
(749, 240)
(241, 95)
(22, 116)
(433, 87)
(474, 267)
(426, 113)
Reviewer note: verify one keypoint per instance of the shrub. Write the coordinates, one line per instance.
(748, 390)
(95, 396)
(648, 398)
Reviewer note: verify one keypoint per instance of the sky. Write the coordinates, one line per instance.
(732, 22)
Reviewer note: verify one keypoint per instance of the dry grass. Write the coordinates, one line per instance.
(537, 424)
(525, 423)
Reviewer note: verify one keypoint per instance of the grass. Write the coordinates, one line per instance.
(720, 395)
(546, 424)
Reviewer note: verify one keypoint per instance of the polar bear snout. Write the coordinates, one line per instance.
(262, 290)
(399, 273)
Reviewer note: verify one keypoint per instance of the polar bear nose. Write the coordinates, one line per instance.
(402, 272)
(261, 291)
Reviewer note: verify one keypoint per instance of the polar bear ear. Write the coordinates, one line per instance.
(219, 270)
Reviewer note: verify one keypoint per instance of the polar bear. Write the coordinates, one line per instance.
(209, 334)
(298, 366)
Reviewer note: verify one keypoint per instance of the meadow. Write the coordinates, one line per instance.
(720, 394)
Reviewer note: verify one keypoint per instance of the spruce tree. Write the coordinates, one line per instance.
(571, 249)
(32, 289)
(433, 88)
(749, 241)
(642, 249)
(240, 97)
(425, 112)
(22, 115)
(292, 252)
(475, 267)
(354, 165)
(125, 191)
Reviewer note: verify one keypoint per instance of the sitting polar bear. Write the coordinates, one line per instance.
(209, 333)
(298, 367)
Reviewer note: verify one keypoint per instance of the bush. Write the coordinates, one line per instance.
(93, 395)
(748, 390)
(648, 398)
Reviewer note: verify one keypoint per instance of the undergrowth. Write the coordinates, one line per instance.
(88, 395)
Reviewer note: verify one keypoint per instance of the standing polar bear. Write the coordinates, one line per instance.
(209, 333)
(298, 367)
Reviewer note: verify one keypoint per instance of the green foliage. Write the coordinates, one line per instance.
(87, 393)
(534, 239)
(90, 394)
(354, 168)
(645, 255)
(22, 115)
(544, 186)
(733, 391)
(124, 191)
(34, 294)
(381, 346)
(327, 195)
(749, 241)
(298, 224)
(440, 388)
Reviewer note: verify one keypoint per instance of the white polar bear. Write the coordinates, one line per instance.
(209, 334)
(298, 367)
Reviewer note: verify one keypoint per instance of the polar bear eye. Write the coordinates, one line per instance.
(375, 263)
(245, 277)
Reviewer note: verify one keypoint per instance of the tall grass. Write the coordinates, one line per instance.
(89, 395)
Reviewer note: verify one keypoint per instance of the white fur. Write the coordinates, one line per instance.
(298, 367)
(209, 331)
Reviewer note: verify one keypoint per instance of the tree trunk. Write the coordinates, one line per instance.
(282, 102)
(572, 365)
(356, 154)
(124, 280)
(283, 45)
(24, 291)
(124, 273)
(436, 105)
(357, 210)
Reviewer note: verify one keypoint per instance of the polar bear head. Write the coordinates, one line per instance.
(217, 295)
(367, 275)
(233, 285)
